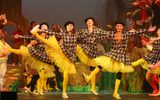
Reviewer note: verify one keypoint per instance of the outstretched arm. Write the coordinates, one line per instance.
(50, 33)
(140, 31)
(28, 37)
(104, 34)
(154, 39)
(134, 32)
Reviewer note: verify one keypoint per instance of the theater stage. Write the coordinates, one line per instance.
(85, 96)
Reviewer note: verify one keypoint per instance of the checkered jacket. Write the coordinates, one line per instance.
(119, 50)
(38, 50)
(68, 45)
(88, 41)
(154, 56)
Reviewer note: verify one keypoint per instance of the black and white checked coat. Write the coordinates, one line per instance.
(119, 50)
(154, 56)
(67, 43)
(88, 41)
(37, 50)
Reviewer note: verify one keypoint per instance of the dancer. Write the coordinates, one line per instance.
(116, 60)
(34, 63)
(3, 57)
(62, 52)
(3, 52)
(152, 58)
(87, 48)
(154, 67)
(36, 51)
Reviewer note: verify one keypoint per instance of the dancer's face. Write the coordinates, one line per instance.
(69, 27)
(44, 27)
(119, 27)
(90, 23)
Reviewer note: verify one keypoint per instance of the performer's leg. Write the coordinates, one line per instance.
(41, 81)
(152, 80)
(93, 82)
(117, 84)
(49, 81)
(94, 72)
(65, 82)
(33, 82)
(56, 84)
(42, 85)
(3, 69)
(38, 85)
(34, 31)
(29, 78)
(45, 84)
(138, 62)
(31, 85)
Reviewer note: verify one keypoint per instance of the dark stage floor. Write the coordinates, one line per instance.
(82, 96)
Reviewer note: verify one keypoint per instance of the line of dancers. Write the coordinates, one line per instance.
(44, 52)
(82, 44)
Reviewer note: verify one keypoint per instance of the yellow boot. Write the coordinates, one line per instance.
(38, 85)
(115, 94)
(138, 62)
(65, 82)
(45, 85)
(41, 81)
(94, 72)
(93, 83)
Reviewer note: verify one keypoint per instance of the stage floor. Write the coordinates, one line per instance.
(86, 96)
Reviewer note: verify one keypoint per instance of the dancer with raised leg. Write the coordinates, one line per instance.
(87, 48)
(63, 53)
(116, 60)
(152, 58)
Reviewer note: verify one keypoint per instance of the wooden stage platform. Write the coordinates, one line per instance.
(86, 96)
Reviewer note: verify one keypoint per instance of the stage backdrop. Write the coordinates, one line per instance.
(60, 11)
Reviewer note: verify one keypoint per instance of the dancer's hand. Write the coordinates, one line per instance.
(35, 30)
(152, 29)
(15, 36)
(132, 30)
(32, 42)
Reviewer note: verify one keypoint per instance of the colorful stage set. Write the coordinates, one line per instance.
(82, 53)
